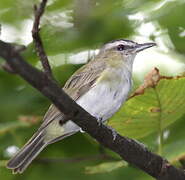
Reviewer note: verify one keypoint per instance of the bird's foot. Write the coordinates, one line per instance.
(82, 130)
(100, 121)
(114, 133)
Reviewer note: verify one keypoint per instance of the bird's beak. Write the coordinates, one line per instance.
(141, 47)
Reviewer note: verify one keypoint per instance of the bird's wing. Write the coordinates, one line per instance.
(79, 83)
(82, 81)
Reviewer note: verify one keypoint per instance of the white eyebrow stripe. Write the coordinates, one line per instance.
(116, 43)
(111, 45)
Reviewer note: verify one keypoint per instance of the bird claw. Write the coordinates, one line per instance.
(114, 133)
(100, 121)
(82, 130)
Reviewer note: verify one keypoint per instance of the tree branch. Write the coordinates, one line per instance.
(130, 150)
(37, 40)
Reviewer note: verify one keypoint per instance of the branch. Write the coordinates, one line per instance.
(6, 67)
(37, 40)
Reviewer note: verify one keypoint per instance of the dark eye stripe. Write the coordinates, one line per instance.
(122, 47)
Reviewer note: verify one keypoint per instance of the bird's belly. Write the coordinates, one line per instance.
(102, 101)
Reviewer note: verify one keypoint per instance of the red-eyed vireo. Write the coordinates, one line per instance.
(100, 87)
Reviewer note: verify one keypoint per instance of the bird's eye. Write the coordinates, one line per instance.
(120, 47)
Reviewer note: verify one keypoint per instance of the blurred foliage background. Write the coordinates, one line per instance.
(72, 30)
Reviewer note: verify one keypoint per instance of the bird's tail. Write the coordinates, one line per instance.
(26, 155)
(30, 150)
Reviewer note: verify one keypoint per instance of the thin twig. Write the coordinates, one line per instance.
(38, 12)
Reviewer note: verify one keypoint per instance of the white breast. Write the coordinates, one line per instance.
(104, 99)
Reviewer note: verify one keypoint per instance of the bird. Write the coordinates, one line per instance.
(100, 87)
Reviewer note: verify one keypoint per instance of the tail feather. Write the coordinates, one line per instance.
(30, 150)
(30, 157)
(34, 152)
(26, 155)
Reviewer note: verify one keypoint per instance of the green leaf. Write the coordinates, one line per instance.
(15, 11)
(152, 111)
(98, 27)
(170, 17)
(58, 5)
(175, 24)
(105, 167)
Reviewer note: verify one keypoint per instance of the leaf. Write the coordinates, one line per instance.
(13, 11)
(170, 17)
(105, 167)
(108, 26)
(58, 5)
(158, 107)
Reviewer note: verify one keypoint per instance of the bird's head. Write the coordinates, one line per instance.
(122, 50)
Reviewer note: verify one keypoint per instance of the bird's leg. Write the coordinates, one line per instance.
(100, 121)
(114, 133)
(82, 130)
